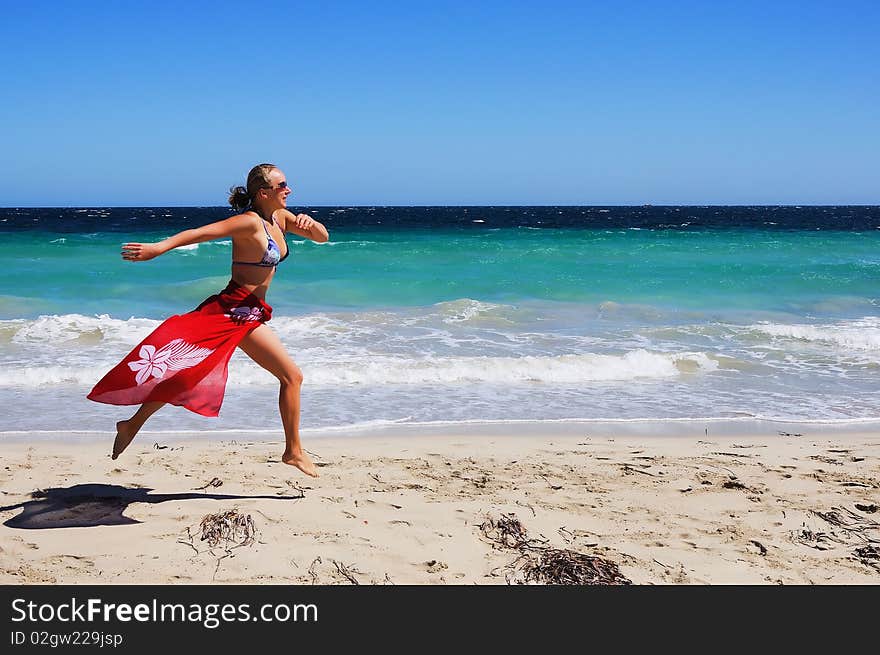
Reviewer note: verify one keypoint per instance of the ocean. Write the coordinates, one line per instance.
(414, 315)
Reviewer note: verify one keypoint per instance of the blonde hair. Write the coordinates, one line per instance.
(241, 197)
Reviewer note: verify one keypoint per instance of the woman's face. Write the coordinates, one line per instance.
(279, 191)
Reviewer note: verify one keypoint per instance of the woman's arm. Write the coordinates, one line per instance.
(141, 252)
(303, 225)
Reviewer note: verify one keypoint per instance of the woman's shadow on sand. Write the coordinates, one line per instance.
(88, 505)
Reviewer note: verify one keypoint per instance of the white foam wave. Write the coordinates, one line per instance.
(51, 330)
(193, 248)
(46, 376)
(339, 243)
(465, 309)
(562, 369)
(863, 334)
(389, 370)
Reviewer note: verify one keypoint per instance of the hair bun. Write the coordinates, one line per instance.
(239, 198)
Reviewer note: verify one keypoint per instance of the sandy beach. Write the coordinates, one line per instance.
(425, 507)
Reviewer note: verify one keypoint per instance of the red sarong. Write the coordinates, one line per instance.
(185, 360)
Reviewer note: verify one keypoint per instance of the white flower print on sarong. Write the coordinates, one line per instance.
(174, 356)
(246, 314)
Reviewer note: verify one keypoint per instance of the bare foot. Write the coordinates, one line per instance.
(301, 461)
(124, 435)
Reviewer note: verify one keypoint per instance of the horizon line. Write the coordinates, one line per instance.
(355, 206)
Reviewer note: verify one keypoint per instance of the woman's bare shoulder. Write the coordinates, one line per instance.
(245, 219)
(240, 224)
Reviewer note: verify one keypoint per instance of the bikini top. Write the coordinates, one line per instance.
(272, 257)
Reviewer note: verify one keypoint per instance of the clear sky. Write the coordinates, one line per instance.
(441, 103)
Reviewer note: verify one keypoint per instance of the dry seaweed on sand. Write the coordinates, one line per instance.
(539, 563)
(854, 526)
(849, 528)
(215, 482)
(555, 566)
(231, 529)
(345, 572)
(869, 556)
(506, 532)
(817, 540)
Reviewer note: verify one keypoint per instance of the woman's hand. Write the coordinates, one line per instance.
(303, 225)
(140, 252)
(302, 221)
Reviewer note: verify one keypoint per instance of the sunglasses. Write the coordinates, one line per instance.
(281, 185)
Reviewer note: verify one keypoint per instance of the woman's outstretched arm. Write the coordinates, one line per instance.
(141, 252)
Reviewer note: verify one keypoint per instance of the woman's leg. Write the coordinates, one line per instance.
(264, 347)
(126, 430)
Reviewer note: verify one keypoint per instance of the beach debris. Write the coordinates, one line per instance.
(762, 549)
(215, 482)
(321, 573)
(567, 567)
(817, 540)
(869, 509)
(567, 535)
(628, 468)
(790, 434)
(294, 485)
(849, 529)
(554, 487)
(539, 563)
(319, 461)
(869, 556)
(189, 540)
(506, 532)
(159, 446)
(231, 529)
(683, 485)
(435, 566)
(851, 524)
(312, 572)
(345, 572)
(825, 460)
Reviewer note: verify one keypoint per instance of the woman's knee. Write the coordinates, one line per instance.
(291, 375)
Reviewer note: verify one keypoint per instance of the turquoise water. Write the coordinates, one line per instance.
(835, 272)
(431, 324)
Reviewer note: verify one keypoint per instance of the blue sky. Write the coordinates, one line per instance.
(441, 103)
